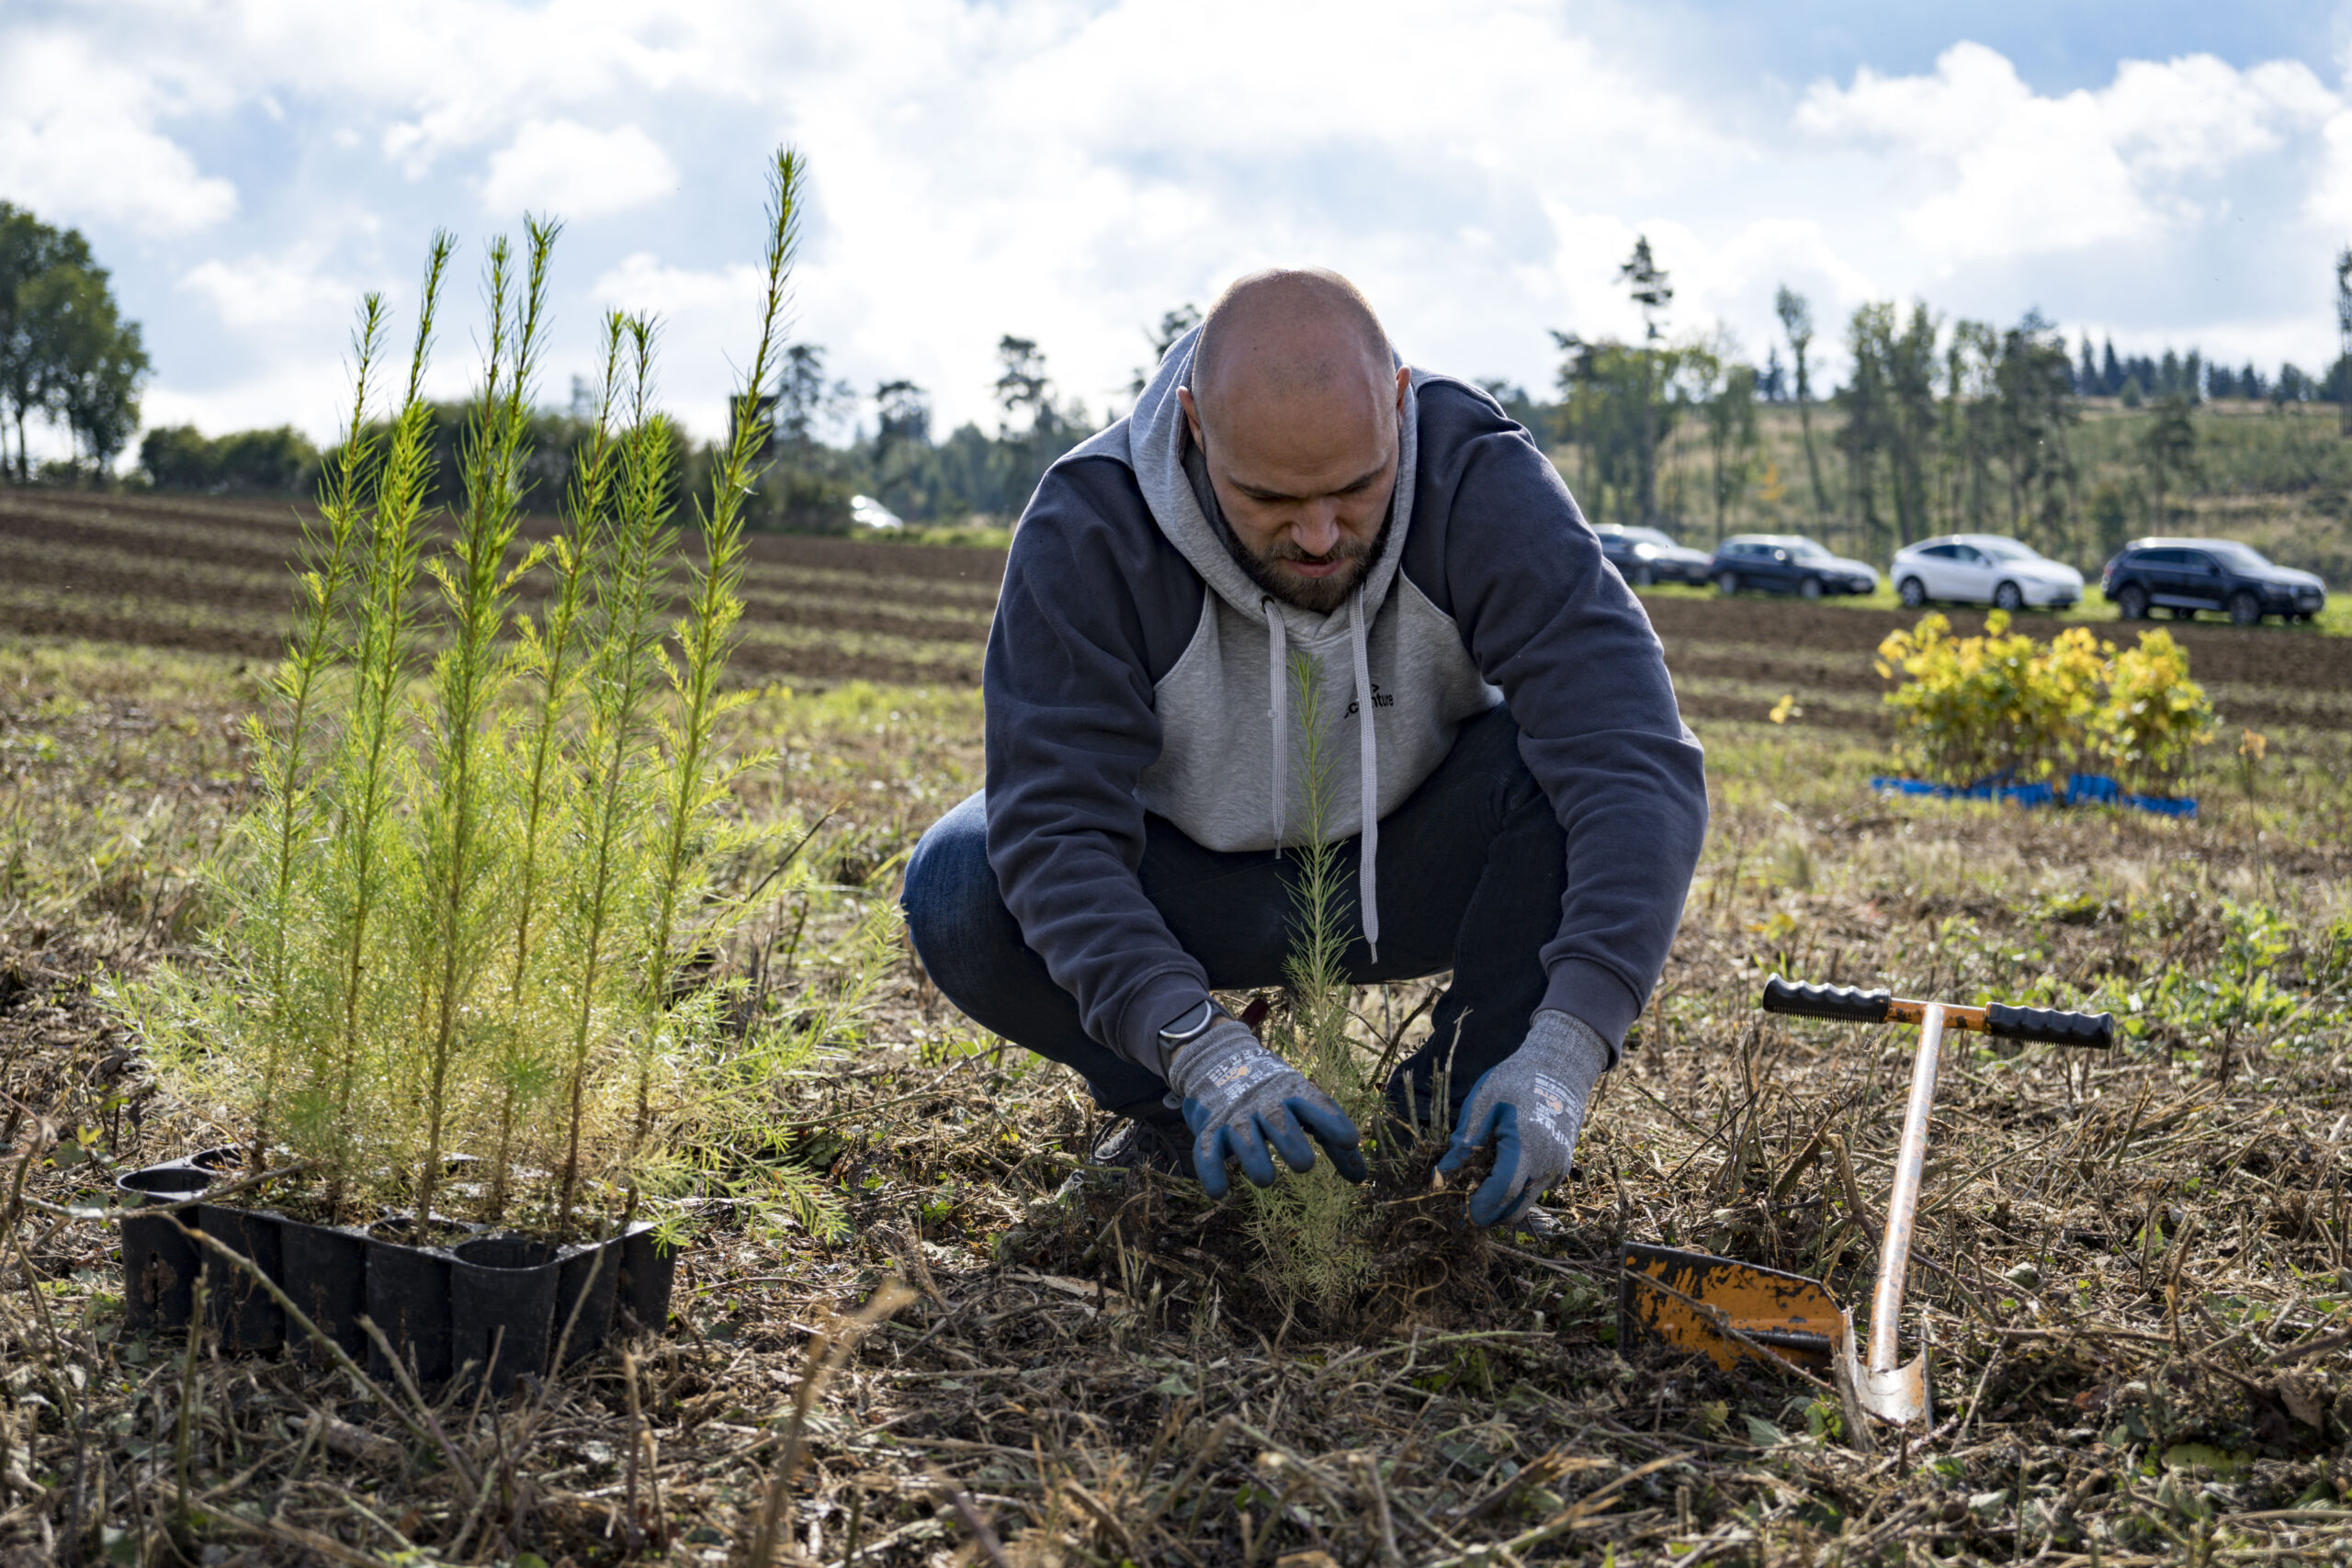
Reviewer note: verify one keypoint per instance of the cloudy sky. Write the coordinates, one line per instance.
(2171, 174)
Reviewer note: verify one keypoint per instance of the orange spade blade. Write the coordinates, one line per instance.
(1691, 1300)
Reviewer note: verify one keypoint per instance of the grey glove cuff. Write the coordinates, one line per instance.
(1203, 1062)
(1569, 1049)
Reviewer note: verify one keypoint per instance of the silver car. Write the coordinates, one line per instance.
(1983, 569)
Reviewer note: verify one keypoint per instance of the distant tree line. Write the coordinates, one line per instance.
(245, 462)
(1940, 425)
(67, 357)
(2136, 379)
(808, 482)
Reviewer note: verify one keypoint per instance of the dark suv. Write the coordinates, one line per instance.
(2188, 575)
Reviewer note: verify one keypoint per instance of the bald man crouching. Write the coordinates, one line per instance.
(1287, 488)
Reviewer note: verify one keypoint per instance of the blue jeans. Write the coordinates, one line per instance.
(1472, 869)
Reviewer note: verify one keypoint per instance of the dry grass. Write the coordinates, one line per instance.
(2133, 1273)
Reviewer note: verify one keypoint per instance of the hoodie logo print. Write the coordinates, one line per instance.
(1379, 700)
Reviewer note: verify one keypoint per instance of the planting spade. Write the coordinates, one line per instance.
(1725, 1309)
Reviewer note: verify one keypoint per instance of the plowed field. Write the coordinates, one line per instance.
(213, 575)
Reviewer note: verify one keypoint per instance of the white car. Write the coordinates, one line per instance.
(1982, 569)
(868, 512)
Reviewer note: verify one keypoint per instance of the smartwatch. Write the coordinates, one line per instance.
(1190, 1027)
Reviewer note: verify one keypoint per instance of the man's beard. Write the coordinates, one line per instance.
(1319, 595)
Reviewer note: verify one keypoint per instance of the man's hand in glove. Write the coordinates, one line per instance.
(1241, 1100)
(1531, 1105)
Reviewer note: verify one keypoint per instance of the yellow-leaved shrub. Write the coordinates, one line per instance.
(2155, 716)
(2002, 706)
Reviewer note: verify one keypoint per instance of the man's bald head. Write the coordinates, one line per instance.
(1285, 335)
(1295, 401)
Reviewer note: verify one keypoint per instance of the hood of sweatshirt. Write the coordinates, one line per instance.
(1158, 443)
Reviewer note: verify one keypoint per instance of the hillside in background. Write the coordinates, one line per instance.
(2276, 478)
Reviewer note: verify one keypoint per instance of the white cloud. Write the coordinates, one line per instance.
(78, 140)
(1068, 174)
(2329, 203)
(310, 393)
(271, 293)
(1984, 167)
(1738, 278)
(704, 321)
(643, 284)
(1066, 170)
(565, 169)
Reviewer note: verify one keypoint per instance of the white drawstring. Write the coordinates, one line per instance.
(1278, 709)
(1368, 767)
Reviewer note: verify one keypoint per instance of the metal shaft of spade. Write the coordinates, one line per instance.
(1903, 1201)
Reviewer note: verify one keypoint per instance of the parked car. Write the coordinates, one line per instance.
(1644, 556)
(2188, 575)
(1982, 569)
(1786, 563)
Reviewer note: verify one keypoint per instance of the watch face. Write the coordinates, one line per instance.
(1184, 1028)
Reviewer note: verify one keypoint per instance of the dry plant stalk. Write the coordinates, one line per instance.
(824, 1358)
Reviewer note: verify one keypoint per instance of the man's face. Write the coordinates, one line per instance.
(1304, 482)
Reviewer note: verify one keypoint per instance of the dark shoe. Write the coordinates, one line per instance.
(1158, 1141)
(1153, 1143)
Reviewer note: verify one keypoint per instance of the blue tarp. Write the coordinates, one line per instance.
(2080, 789)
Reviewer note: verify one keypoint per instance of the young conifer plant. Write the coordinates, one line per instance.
(464, 732)
(698, 775)
(614, 785)
(1311, 1227)
(364, 854)
(551, 656)
(281, 831)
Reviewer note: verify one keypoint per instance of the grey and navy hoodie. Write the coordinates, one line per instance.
(1135, 668)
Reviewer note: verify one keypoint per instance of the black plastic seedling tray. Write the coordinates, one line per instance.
(473, 1302)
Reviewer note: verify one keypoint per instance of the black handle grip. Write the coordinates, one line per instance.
(1843, 1002)
(2095, 1030)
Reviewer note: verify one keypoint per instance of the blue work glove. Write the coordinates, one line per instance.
(1530, 1104)
(1241, 1100)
